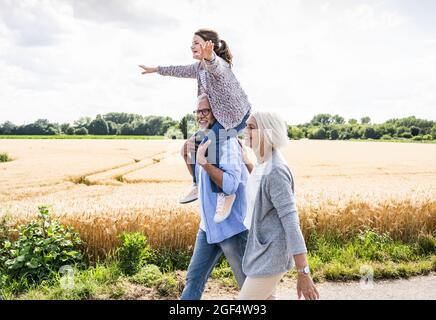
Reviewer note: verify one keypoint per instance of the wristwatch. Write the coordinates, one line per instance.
(304, 270)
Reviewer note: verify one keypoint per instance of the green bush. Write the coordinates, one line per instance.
(334, 134)
(4, 157)
(133, 253)
(317, 133)
(295, 133)
(174, 133)
(82, 131)
(427, 137)
(406, 135)
(169, 286)
(386, 137)
(70, 131)
(170, 260)
(433, 132)
(417, 138)
(426, 245)
(4, 251)
(42, 248)
(148, 275)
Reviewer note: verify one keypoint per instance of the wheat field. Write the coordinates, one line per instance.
(105, 187)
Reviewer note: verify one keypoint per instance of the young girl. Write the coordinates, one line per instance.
(227, 99)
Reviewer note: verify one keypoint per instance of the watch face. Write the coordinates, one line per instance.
(306, 270)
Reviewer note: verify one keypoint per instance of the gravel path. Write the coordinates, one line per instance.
(416, 288)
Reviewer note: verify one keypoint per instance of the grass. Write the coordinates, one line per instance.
(4, 157)
(368, 254)
(104, 137)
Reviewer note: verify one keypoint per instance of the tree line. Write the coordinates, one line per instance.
(334, 127)
(113, 123)
(322, 126)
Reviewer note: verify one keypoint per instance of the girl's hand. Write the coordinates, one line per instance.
(148, 69)
(201, 153)
(306, 287)
(206, 50)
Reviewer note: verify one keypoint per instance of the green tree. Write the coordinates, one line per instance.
(82, 131)
(82, 122)
(122, 117)
(334, 134)
(317, 133)
(70, 131)
(365, 120)
(402, 129)
(352, 121)
(295, 133)
(187, 124)
(64, 127)
(433, 132)
(154, 125)
(321, 119)
(98, 126)
(112, 127)
(338, 119)
(174, 133)
(371, 132)
(127, 129)
(414, 131)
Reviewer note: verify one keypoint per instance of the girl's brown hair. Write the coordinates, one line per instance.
(219, 46)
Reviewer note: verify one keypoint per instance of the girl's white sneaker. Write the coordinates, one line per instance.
(224, 206)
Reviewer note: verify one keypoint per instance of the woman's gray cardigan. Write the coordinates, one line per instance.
(275, 234)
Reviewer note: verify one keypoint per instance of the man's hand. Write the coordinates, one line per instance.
(188, 147)
(306, 287)
(148, 69)
(206, 50)
(201, 153)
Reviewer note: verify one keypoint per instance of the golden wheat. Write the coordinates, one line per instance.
(103, 188)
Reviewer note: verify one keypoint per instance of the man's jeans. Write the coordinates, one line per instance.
(206, 256)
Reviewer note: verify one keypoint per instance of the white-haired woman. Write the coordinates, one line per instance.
(275, 242)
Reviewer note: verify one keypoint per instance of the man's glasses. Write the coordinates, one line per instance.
(203, 112)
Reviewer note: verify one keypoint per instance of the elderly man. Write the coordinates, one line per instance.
(230, 236)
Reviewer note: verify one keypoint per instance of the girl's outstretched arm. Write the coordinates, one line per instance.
(147, 69)
(189, 71)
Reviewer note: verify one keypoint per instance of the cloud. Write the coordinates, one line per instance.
(65, 59)
(132, 14)
(365, 17)
(33, 23)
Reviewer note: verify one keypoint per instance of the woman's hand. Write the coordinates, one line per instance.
(245, 156)
(206, 50)
(148, 69)
(201, 153)
(306, 287)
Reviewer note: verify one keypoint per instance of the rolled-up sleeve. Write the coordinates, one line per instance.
(230, 164)
(189, 71)
(280, 190)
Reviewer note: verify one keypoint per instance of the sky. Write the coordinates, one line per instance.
(65, 59)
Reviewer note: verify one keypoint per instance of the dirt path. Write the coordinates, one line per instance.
(422, 287)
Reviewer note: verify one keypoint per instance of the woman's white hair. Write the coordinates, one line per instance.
(273, 129)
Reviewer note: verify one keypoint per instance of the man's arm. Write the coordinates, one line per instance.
(228, 175)
(215, 174)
